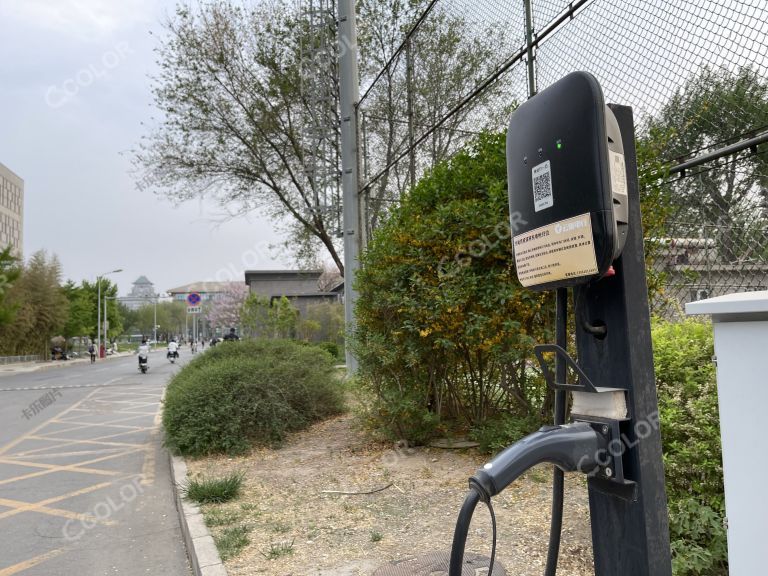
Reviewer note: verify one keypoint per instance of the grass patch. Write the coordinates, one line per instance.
(280, 528)
(214, 490)
(221, 517)
(231, 540)
(278, 549)
(376, 536)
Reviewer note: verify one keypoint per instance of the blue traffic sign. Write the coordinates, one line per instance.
(193, 299)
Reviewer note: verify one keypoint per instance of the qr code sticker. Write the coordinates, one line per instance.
(542, 187)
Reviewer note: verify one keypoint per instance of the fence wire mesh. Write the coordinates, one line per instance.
(694, 73)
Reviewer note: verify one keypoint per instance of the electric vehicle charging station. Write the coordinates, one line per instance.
(741, 334)
(574, 205)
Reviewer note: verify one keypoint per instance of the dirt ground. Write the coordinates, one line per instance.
(299, 527)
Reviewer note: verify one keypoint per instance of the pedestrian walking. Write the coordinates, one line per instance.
(92, 352)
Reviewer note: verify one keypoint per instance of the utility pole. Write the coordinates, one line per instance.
(409, 104)
(98, 310)
(348, 99)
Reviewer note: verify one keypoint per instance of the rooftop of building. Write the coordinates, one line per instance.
(205, 287)
(11, 174)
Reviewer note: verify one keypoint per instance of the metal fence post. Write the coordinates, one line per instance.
(531, 58)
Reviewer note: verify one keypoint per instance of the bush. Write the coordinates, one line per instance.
(444, 331)
(497, 433)
(248, 392)
(690, 432)
(333, 349)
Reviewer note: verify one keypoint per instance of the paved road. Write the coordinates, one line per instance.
(84, 482)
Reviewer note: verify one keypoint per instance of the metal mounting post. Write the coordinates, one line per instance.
(630, 537)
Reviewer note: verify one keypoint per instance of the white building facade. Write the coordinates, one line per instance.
(11, 211)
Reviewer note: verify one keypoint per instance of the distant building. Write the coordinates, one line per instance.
(695, 269)
(11, 211)
(142, 293)
(301, 287)
(208, 290)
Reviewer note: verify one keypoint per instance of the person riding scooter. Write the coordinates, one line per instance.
(143, 355)
(173, 349)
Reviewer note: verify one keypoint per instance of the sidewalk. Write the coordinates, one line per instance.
(25, 367)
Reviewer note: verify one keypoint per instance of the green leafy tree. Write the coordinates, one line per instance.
(263, 317)
(88, 295)
(41, 307)
(444, 330)
(322, 322)
(9, 273)
(715, 108)
(80, 320)
(130, 319)
(171, 319)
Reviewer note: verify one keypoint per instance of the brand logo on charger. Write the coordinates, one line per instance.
(560, 228)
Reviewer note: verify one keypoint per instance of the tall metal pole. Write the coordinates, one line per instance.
(98, 317)
(154, 346)
(98, 310)
(532, 88)
(409, 105)
(106, 338)
(348, 98)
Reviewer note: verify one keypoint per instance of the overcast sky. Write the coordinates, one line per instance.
(74, 92)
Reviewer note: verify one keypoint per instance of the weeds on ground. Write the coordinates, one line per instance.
(214, 490)
(278, 549)
(231, 540)
(220, 517)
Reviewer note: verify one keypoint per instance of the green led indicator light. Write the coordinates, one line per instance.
(559, 145)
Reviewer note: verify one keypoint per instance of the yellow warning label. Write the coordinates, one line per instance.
(558, 251)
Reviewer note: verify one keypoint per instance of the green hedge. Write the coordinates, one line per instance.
(690, 433)
(242, 393)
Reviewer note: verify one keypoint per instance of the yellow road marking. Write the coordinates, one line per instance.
(20, 439)
(81, 425)
(123, 433)
(120, 412)
(57, 467)
(18, 458)
(70, 442)
(42, 507)
(26, 564)
(67, 467)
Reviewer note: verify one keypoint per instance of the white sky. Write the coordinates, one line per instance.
(74, 92)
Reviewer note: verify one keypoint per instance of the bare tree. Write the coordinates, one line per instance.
(235, 115)
(229, 90)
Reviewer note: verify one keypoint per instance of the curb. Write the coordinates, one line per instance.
(201, 549)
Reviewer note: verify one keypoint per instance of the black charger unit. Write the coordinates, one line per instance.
(567, 183)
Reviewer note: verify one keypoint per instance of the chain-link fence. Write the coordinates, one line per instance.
(695, 73)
